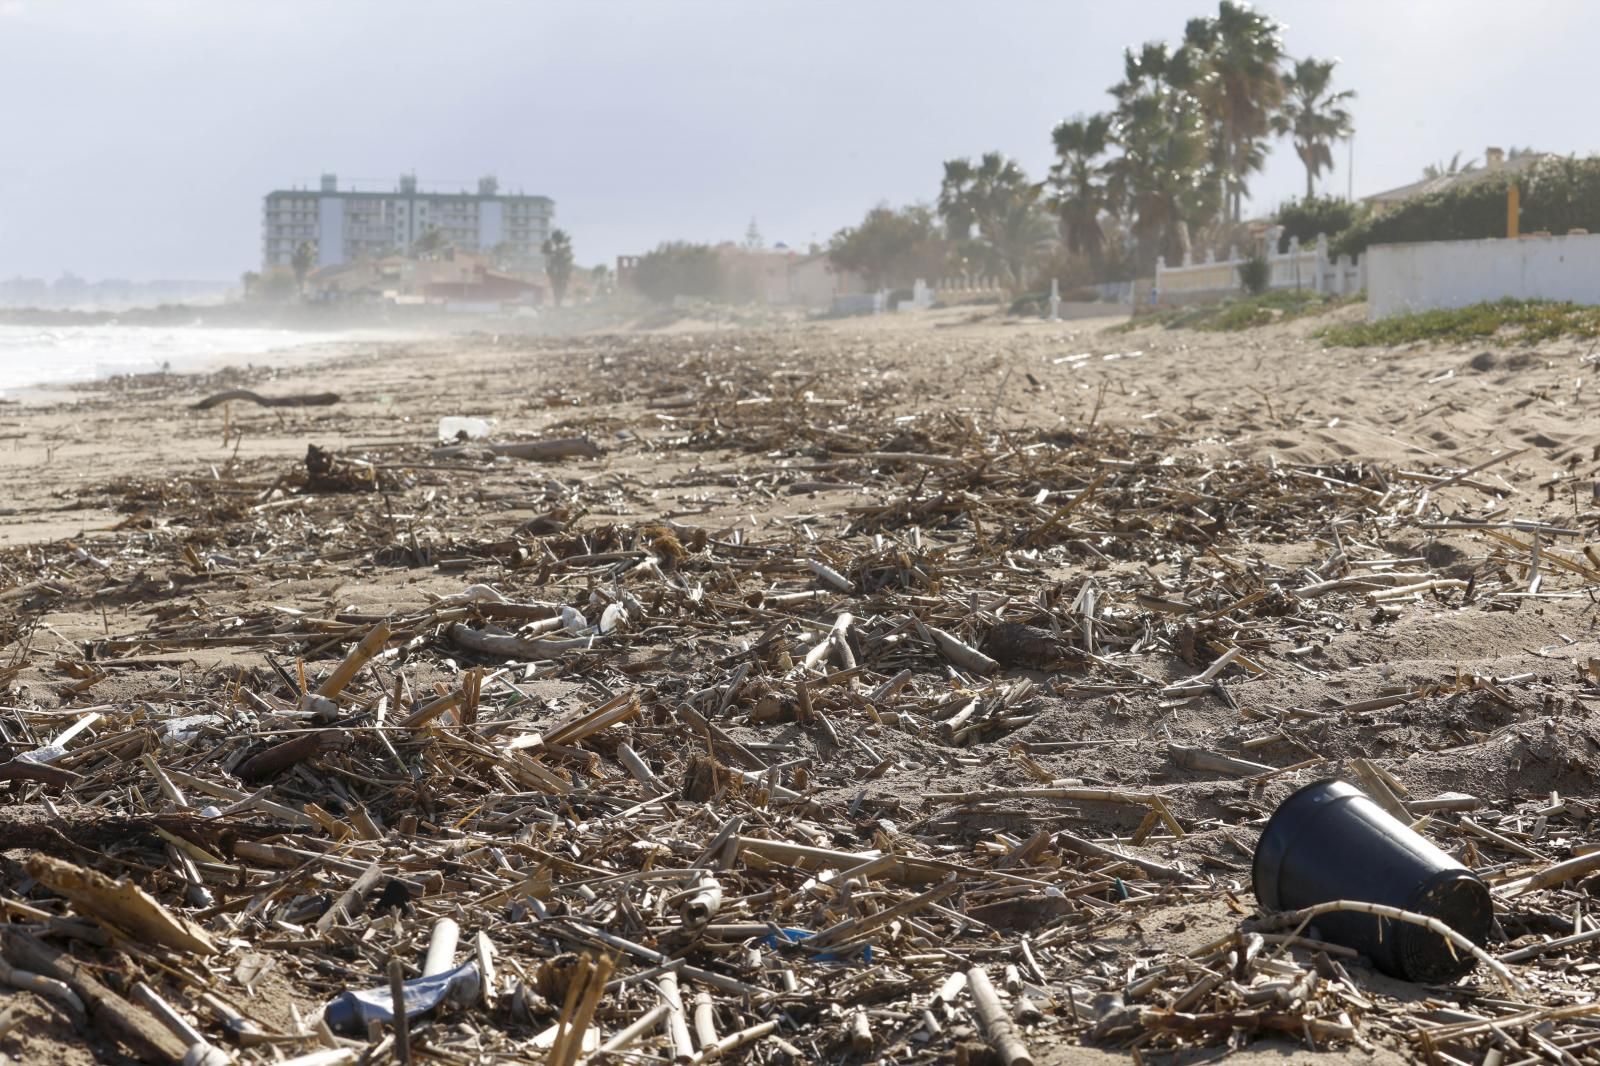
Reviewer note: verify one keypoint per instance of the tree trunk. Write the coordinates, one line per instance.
(1015, 266)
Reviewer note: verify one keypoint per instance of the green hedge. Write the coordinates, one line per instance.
(1306, 219)
(1556, 195)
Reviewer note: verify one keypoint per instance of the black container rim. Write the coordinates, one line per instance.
(1271, 847)
(1414, 946)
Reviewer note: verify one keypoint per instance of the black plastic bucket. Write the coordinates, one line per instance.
(1329, 841)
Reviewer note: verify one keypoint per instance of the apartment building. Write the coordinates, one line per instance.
(346, 225)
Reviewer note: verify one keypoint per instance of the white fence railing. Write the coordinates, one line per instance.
(970, 288)
(1298, 268)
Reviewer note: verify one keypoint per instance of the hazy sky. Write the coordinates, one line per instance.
(140, 135)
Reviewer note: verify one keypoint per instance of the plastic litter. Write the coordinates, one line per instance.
(454, 428)
(351, 1012)
(1330, 842)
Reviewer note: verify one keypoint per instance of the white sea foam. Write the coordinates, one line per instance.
(48, 355)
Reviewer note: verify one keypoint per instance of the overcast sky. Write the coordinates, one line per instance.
(140, 135)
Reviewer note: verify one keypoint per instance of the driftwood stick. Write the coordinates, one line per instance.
(120, 1020)
(1401, 592)
(829, 576)
(961, 653)
(859, 926)
(1533, 951)
(569, 1029)
(350, 899)
(913, 459)
(586, 1008)
(304, 399)
(280, 757)
(511, 646)
(557, 448)
(1192, 758)
(346, 671)
(1201, 682)
(1560, 873)
(636, 766)
(615, 710)
(705, 1020)
(997, 1027)
(1291, 919)
(120, 903)
(1089, 848)
(54, 776)
(201, 1051)
(402, 1024)
(1499, 840)
(680, 1046)
(735, 1041)
(860, 1032)
(28, 981)
(800, 854)
(701, 726)
(626, 1038)
(1293, 1022)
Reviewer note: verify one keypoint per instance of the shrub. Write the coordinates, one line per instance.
(1557, 195)
(679, 269)
(1306, 219)
(1030, 303)
(1255, 274)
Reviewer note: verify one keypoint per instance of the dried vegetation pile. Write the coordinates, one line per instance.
(889, 733)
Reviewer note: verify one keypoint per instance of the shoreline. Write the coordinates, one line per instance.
(68, 389)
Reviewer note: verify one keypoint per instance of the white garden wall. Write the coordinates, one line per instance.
(1442, 274)
(1310, 268)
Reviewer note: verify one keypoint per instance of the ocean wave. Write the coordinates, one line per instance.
(30, 356)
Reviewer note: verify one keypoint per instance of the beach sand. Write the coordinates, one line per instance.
(120, 470)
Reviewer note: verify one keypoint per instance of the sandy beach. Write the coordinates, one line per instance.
(1385, 548)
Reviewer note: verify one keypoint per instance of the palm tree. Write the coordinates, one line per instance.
(1163, 177)
(432, 242)
(557, 250)
(301, 262)
(1078, 178)
(996, 198)
(1021, 231)
(1236, 58)
(1445, 170)
(1313, 116)
(974, 195)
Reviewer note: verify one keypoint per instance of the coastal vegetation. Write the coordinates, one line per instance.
(1499, 322)
(1165, 167)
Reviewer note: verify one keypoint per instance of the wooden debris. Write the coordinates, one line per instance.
(303, 399)
(997, 1027)
(118, 1019)
(780, 735)
(121, 905)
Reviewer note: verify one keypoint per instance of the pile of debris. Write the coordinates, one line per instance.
(964, 745)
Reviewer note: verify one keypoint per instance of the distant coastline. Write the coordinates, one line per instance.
(313, 317)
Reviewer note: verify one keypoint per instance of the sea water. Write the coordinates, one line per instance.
(49, 355)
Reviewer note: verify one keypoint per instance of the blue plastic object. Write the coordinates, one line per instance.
(792, 937)
(352, 1012)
